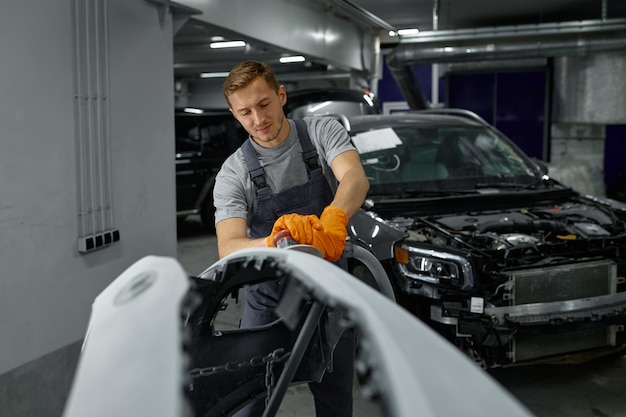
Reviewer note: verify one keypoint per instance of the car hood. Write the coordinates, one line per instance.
(488, 220)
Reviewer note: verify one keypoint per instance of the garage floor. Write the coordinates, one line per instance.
(594, 388)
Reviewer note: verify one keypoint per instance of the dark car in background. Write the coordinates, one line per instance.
(320, 101)
(204, 139)
(479, 242)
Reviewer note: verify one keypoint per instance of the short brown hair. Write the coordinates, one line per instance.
(246, 72)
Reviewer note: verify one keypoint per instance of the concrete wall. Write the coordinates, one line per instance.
(589, 94)
(577, 156)
(590, 88)
(46, 285)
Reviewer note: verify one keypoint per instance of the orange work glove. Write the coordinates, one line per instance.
(332, 239)
(301, 228)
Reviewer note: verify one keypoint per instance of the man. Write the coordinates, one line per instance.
(308, 180)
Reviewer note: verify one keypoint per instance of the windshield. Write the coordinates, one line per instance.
(439, 159)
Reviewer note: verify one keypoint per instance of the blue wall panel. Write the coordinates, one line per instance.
(520, 109)
(388, 90)
(514, 102)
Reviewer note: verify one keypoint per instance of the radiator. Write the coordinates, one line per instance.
(561, 283)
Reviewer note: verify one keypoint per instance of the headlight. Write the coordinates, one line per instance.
(434, 266)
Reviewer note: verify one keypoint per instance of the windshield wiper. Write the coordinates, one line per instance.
(512, 185)
(413, 192)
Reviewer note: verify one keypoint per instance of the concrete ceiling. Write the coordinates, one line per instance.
(192, 55)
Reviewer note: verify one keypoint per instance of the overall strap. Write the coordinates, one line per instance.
(257, 174)
(309, 154)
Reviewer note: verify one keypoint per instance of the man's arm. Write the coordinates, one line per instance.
(232, 235)
(353, 184)
(350, 194)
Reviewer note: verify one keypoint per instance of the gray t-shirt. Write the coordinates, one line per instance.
(234, 194)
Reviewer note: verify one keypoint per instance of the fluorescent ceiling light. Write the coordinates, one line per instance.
(408, 32)
(289, 59)
(227, 44)
(214, 75)
(193, 110)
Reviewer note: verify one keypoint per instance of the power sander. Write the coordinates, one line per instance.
(284, 240)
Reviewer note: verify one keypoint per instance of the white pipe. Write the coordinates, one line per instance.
(90, 156)
(100, 129)
(92, 117)
(96, 130)
(80, 130)
(106, 119)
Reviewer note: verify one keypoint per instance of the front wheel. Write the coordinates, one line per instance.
(364, 275)
(367, 268)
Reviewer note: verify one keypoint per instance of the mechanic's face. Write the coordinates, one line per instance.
(259, 109)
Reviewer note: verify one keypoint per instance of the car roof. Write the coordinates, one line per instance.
(430, 119)
(328, 93)
(300, 99)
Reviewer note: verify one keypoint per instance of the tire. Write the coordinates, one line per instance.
(364, 266)
(364, 275)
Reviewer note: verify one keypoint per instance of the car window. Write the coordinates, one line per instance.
(480, 147)
(409, 154)
(217, 135)
(187, 135)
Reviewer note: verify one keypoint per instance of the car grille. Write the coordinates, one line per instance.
(562, 283)
(530, 347)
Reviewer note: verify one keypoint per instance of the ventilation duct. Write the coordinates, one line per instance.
(518, 42)
(359, 15)
(180, 13)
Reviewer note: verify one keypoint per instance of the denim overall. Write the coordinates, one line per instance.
(333, 395)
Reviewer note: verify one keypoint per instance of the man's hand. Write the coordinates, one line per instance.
(301, 228)
(331, 240)
(327, 233)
